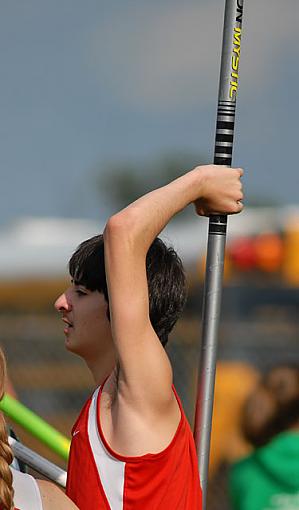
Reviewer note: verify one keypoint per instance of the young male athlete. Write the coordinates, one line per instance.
(132, 447)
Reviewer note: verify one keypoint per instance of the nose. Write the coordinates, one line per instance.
(63, 303)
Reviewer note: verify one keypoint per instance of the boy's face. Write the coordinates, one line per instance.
(87, 328)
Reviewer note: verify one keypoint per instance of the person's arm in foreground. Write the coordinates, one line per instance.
(145, 378)
(53, 497)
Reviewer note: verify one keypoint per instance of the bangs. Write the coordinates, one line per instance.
(87, 265)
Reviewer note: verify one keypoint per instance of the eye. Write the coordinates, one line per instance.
(80, 292)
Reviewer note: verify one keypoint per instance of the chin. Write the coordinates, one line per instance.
(75, 349)
(72, 347)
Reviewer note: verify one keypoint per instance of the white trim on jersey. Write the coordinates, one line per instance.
(111, 470)
(27, 495)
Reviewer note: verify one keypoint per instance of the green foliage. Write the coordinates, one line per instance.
(124, 183)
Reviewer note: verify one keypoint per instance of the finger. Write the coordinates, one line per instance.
(240, 171)
(239, 206)
(235, 207)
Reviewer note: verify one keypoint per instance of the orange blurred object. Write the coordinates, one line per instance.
(269, 252)
(290, 268)
(234, 382)
(264, 252)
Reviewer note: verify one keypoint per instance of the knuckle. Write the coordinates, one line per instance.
(236, 207)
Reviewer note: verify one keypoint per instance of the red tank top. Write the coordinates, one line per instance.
(100, 479)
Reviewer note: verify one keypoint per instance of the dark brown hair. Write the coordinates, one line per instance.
(165, 277)
(273, 406)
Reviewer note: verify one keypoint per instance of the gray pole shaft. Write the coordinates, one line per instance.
(228, 88)
(37, 462)
(207, 364)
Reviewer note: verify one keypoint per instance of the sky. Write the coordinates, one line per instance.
(88, 84)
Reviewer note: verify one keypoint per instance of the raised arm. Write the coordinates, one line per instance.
(145, 372)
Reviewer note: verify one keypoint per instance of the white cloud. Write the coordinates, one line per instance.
(168, 56)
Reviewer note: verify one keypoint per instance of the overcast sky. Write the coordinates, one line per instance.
(87, 83)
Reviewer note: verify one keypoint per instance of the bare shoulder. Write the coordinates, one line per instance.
(53, 497)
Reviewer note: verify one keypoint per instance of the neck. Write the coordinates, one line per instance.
(101, 369)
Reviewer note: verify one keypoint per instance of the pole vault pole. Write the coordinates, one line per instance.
(227, 96)
(37, 462)
(35, 425)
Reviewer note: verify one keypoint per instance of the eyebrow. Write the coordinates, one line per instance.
(77, 283)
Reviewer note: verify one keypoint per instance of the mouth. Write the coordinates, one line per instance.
(68, 326)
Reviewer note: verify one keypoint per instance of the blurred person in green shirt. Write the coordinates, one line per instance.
(268, 479)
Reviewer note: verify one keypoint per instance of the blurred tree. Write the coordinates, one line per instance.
(124, 183)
